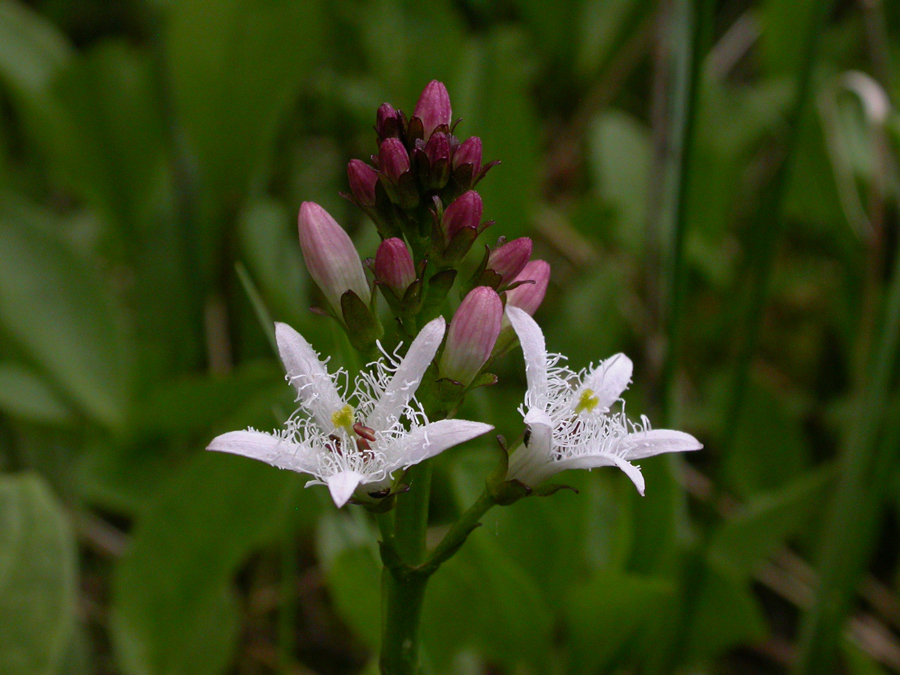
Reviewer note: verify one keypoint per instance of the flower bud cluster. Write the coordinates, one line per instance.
(419, 192)
(422, 167)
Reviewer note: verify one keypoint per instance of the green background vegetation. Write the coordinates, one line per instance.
(715, 186)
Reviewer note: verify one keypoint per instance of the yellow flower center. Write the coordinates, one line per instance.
(587, 401)
(343, 418)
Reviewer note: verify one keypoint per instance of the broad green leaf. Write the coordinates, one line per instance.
(235, 68)
(32, 50)
(38, 578)
(346, 544)
(60, 311)
(174, 609)
(724, 615)
(767, 520)
(604, 614)
(620, 154)
(24, 395)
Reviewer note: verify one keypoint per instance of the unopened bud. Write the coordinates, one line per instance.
(362, 179)
(464, 211)
(388, 123)
(529, 296)
(393, 159)
(438, 147)
(471, 335)
(394, 266)
(433, 107)
(469, 153)
(508, 260)
(330, 256)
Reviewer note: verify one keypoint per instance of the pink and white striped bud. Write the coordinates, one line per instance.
(469, 153)
(529, 296)
(362, 178)
(471, 335)
(394, 266)
(330, 256)
(388, 122)
(433, 107)
(464, 211)
(509, 260)
(393, 159)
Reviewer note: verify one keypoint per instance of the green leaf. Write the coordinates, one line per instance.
(236, 66)
(24, 395)
(347, 549)
(767, 520)
(174, 610)
(58, 308)
(604, 614)
(32, 50)
(38, 578)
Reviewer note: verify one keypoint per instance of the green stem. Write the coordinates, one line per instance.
(402, 595)
(458, 533)
(411, 515)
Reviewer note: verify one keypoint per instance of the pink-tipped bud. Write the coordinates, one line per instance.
(529, 296)
(464, 211)
(509, 260)
(388, 123)
(472, 334)
(469, 153)
(393, 159)
(433, 107)
(437, 148)
(330, 256)
(362, 179)
(394, 265)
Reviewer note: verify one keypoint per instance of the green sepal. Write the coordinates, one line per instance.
(509, 492)
(412, 299)
(482, 380)
(460, 244)
(415, 131)
(449, 392)
(360, 323)
(547, 489)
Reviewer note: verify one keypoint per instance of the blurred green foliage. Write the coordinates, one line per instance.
(148, 147)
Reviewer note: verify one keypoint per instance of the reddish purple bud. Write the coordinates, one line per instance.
(529, 296)
(469, 153)
(330, 256)
(394, 265)
(387, 122)
(362, 179)
(472, 334)
(510, 259)
(433, 107)
(393, 159)
(464, 211)
(437, 147)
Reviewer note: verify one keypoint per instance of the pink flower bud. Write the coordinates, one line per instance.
(469, 153)
(529, 296)
(437, 147)
(394, 265)
(330, 256)
(362, 179)
(388, 123)
(471, 335)
(464, 211)
(433, 107)
(510, 259)
(393, 159)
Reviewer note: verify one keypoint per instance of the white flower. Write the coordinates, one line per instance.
(568, 420)
(347, 442)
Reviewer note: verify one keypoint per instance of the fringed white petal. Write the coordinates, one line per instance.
(267, 448)
(308, 375)
(430, 440)
(402, 386)
(534, 350)
(342, 485)
(642, 444)
(530, 463)
(606, 382)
